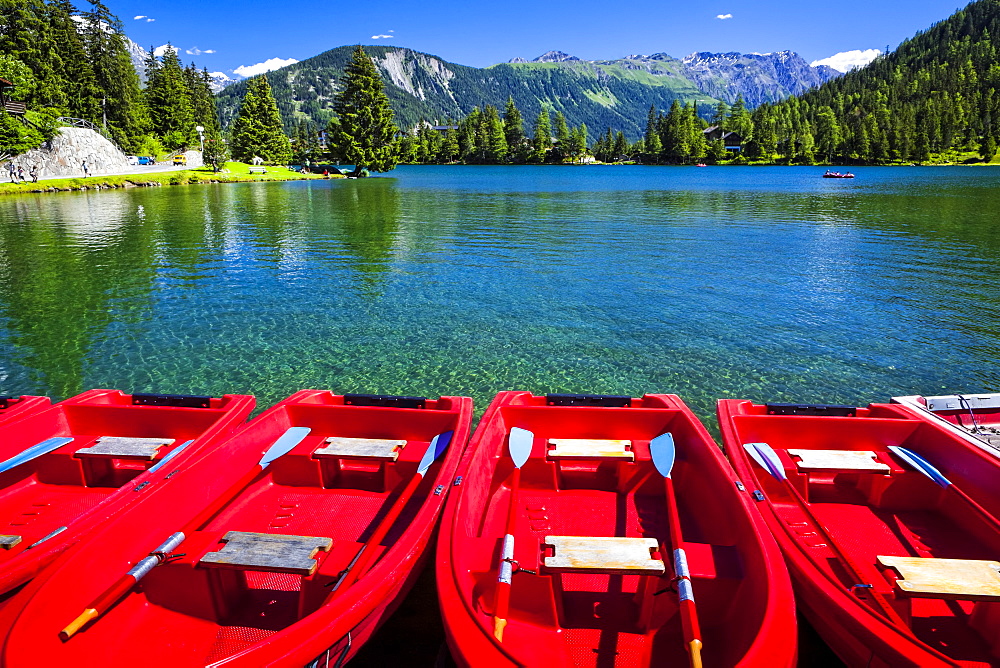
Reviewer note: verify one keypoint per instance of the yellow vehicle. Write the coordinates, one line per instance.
(180, 159)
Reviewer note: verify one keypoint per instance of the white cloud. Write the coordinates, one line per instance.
(160, 50)
(141, 17)
(195, 51)
(382, 36)
(267, 66)
(724, 16)
(846, 61)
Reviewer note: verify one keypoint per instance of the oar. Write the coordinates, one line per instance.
(519, 443)
(928, 469)
(104, 602)
(664, 452)
(37, 450)
(764, 455)
(358, 568)
(170, 455)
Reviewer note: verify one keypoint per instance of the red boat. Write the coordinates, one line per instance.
(591, 557)
(14, 407)
(275, 560)
(67, 467)
(975, 417)
(888, 524)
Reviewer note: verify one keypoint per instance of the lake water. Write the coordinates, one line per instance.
(770, 284)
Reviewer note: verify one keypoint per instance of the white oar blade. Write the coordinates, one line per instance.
(765, 455)
(34, 451)
(519, 442)
(284, 444)
(663, 451)
(921, 464)
(437, 446)
(170, 455)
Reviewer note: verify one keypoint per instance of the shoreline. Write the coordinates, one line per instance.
(173, 178)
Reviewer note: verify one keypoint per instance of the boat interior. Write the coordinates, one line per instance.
(901, 529)
(593, 577)
(102, 445)
(271, 550)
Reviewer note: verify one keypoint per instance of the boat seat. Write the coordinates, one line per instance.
(7, 542)
(838, 460)
(950, 579)
(125, 447)
(361, 448)
(590, 448)
(267, 552)
(603, 555)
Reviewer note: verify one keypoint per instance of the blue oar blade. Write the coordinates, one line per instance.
(921, 464)
(519, 442)
(664, 452)
(437, 446)
(37, 450)
(284, 444)
(170, 455)
(765, 455)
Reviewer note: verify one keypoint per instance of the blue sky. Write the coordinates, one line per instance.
(224, 35)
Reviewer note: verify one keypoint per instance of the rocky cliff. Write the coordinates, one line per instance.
(65, 154)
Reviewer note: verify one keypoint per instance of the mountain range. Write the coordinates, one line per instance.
(601, 93)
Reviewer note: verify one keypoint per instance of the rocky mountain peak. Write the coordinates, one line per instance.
(554, 57)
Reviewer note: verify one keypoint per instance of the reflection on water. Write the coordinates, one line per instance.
(770, 284)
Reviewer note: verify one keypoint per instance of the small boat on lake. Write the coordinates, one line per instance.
(290, 542)
(14, 407)
(607, 531)
(974, 416)
(68, 467)
(888, 524)
(837, 175)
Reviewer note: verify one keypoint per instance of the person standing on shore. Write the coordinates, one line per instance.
(12, 170)
(86, 170)
(20, 174)
(33, 173)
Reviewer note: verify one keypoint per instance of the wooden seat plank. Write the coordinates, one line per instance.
(361, 448)
(950, 579)
(590, 448)
(268, 552)
(125, 446)
(8, 542)
(838, 460)
(602, 554)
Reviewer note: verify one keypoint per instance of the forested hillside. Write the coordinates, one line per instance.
(937, 93)
(424, 87)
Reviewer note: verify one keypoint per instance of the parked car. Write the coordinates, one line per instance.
(147, 160)
(133, 160)
(180, 159)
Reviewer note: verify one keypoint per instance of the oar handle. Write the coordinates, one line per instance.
(685, 591)
(505, 572)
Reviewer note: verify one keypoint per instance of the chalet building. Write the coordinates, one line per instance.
(731, 140)
(6, 88)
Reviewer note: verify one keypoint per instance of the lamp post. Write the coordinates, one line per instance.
(201, 137)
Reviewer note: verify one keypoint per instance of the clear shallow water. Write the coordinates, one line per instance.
(763, 283)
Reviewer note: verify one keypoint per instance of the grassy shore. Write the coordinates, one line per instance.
(234, 172)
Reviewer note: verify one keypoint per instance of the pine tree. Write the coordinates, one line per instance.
(563, 147)
(366, 127)
(542, 141)
(122, 101)
(168, 97)
(739, 120)
(257, 130)
(496, 140)
(83, 97)
(216, 150)
(513, 130)
(620, 150)
(203, 109)
(652, 143)
(26, 34)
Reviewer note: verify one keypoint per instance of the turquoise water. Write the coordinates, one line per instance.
(770, 284)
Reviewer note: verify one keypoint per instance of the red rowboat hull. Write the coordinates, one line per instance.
(16, 407)
(596, 618)
(72, 493)
(893, 512)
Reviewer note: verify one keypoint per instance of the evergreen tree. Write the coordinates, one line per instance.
(721, 116)
(496, 139)
(26, 34)
(216, 150)
(620, 149)
(366, 126)
(122, 100)
(257, 130)
(652, 143)
(513, 130)
(563, 147)
(739, 120)
(169, 100)
(542, 141)
(83, 97)
(203, 109)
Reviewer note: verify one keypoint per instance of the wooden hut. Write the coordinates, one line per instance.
(12, 107)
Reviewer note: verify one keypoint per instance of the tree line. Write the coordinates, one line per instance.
(73, 63)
